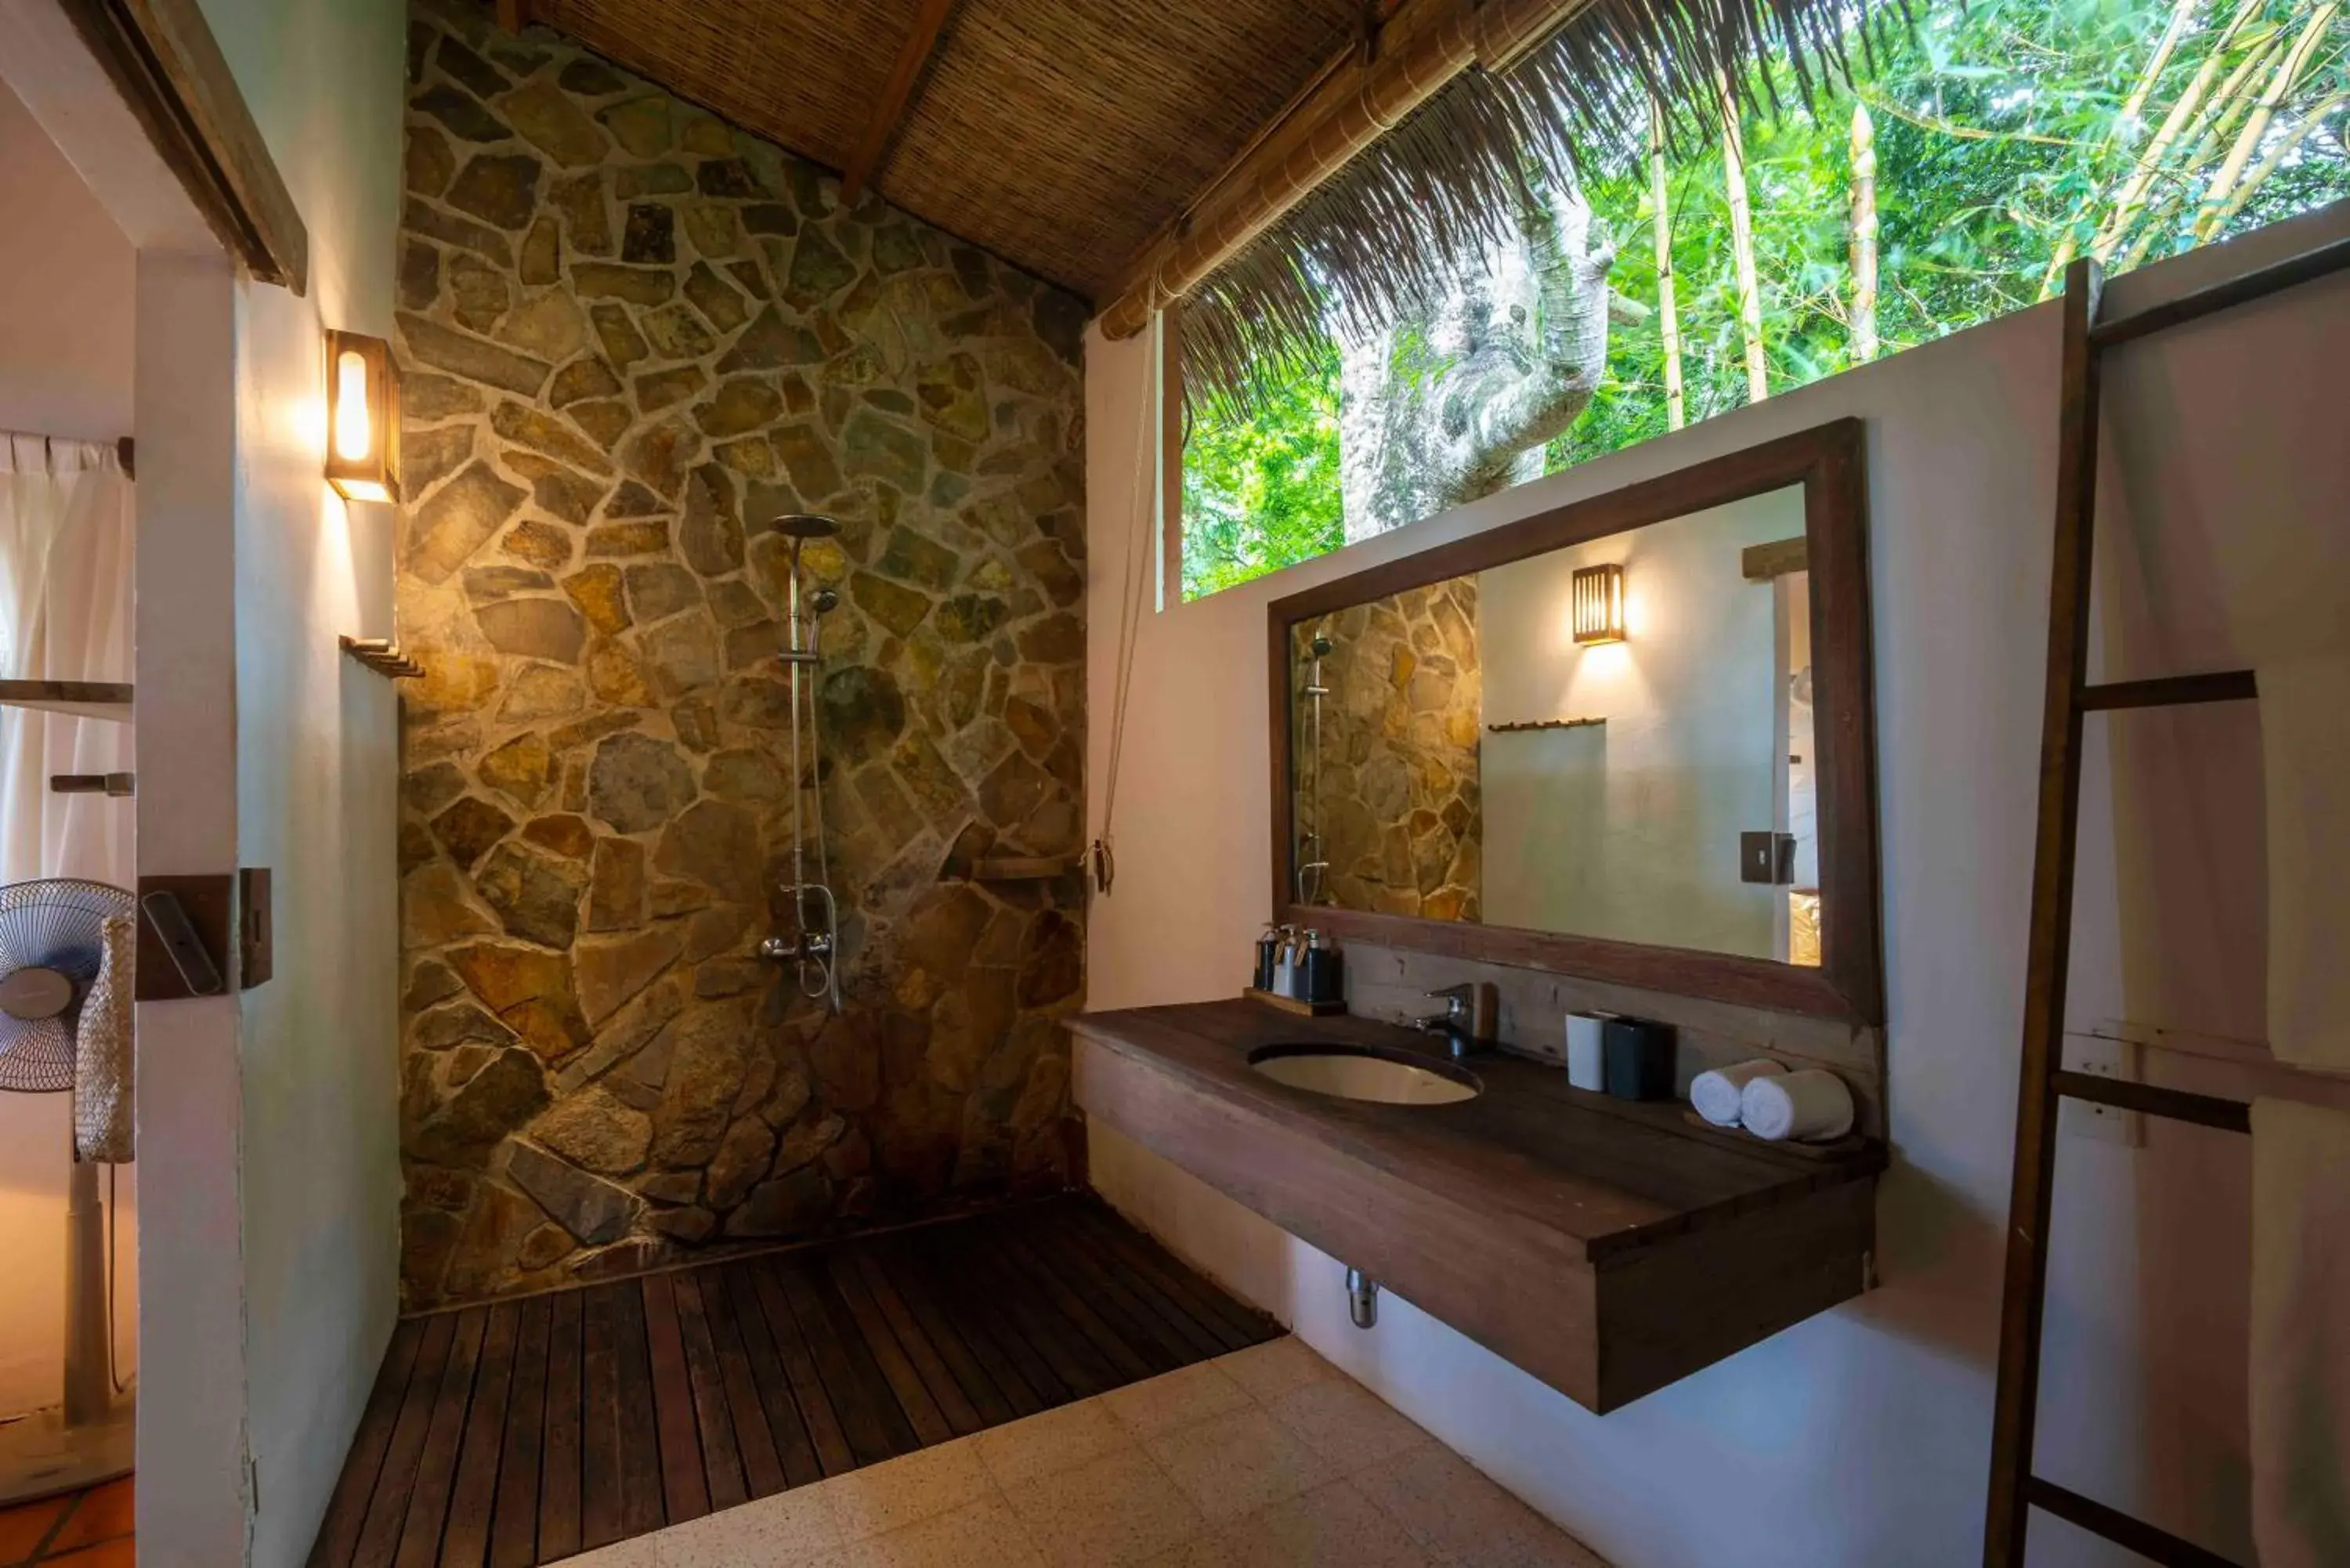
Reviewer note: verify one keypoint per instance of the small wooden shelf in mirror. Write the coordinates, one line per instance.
(1686, 806)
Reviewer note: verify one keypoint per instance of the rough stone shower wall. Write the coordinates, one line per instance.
(1402, 818)
(630, 338)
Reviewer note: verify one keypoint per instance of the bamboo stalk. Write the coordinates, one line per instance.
(2210, 129)
(2275, 157)
(2227, 107)
(1741, 244)
(2150, 227)
(1863, 235)
(2133, 195)
(2182, 13)
(2135, 105)
(1425, 45)
(2208, 134)
(2256, 124)
(1669, 316)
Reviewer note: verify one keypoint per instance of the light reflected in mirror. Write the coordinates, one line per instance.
(1458, 754)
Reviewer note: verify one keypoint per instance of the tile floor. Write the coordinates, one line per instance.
(81, 1530)
(1268, 1458)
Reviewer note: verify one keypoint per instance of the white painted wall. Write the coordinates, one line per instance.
(1861, 1436)
(191, 1427)
(1629, 830)
(64, 293)
(66, 318)
(317, 762)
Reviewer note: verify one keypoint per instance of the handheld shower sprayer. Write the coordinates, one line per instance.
(813, 945)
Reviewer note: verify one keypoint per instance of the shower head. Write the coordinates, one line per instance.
(824, 601)
(1323, 647)
(807, 525)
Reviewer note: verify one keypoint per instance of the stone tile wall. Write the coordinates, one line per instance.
(630, 338)
(1399, 801)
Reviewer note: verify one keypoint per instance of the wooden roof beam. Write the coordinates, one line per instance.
(1354, 98)
(898, 95)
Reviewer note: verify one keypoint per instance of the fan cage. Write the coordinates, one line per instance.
(58, 923)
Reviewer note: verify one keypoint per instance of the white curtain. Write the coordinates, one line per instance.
(65, 615)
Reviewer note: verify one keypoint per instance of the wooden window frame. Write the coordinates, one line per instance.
(1170, 458)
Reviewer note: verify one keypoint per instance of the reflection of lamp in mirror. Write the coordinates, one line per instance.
(362, 418)
(1599, 603)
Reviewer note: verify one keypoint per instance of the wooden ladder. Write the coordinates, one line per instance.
(2014, 1488)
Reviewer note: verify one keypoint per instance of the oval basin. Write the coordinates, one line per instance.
(1367, 1072)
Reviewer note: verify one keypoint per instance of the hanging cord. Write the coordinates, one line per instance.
(1137, 555)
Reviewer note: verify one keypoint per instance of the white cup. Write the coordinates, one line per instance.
(1585, 1060)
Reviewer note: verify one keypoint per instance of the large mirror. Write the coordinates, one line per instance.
(1627, 739)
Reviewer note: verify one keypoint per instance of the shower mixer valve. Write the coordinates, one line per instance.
(806, 945)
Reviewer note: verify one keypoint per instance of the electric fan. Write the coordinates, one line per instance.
(52, 944)
(53, 951)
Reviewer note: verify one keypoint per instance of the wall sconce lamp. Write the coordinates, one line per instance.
(362, 418)
(1599, 603)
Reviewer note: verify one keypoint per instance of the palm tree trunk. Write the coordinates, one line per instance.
(1863, 235)
(1669, 316)
(1741, 244)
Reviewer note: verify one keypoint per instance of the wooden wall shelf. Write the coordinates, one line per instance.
(80, 699)
(1517, 726)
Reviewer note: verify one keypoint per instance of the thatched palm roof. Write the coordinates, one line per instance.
(1058, 133)
(1409, 211)
(1068, 135)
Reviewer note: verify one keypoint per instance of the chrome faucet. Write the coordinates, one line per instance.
(1467, 1020)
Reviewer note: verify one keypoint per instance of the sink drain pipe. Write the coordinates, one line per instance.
(1362, 1299)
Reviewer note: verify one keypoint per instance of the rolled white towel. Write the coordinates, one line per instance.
(1718, 1094)
(1806, 1105)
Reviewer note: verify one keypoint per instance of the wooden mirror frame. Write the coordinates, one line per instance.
(1849, 982)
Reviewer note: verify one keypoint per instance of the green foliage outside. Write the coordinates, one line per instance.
(2009, 136)
(1262, 494)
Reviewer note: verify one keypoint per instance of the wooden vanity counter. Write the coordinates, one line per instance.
(1606, 1247)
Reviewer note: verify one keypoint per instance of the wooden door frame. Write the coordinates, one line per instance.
(163, 60)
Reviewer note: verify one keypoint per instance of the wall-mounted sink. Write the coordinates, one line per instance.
(1366, 1073)
(1632, 1249)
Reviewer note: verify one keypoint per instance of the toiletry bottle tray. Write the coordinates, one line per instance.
(1289, 1004)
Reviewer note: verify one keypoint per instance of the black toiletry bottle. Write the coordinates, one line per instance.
(1638, 1058)
(1268, 951)
(1323, 980)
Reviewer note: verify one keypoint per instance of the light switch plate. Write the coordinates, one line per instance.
(2100, 1057)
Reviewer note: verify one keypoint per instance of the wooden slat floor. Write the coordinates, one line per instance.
(525, 1431)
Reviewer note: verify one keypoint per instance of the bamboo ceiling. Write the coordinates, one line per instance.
(1060, 134)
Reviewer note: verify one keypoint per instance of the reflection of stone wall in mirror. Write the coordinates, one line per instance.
(1631, 830)
(1390, 799)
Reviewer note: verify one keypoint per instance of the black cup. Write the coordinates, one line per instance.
(1638, 1059)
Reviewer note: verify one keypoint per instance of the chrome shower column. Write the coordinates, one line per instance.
(813, 947)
